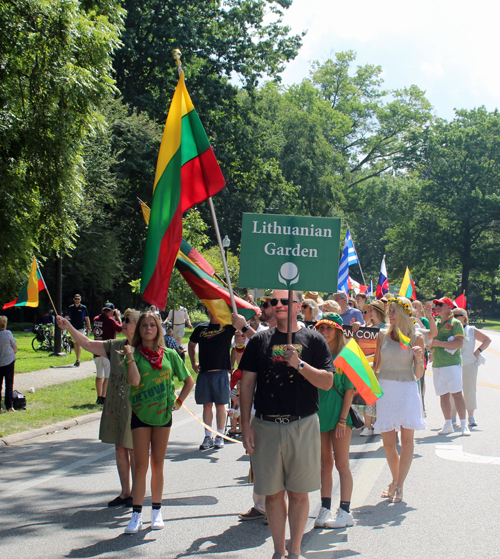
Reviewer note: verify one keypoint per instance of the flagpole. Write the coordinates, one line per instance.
(46, 288)
(359, 261)
(222, 255)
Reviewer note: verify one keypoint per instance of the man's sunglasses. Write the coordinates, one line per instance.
(438, 304)
(264, 305)
(284, 302)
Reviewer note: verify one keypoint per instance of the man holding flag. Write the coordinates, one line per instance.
(283, 438)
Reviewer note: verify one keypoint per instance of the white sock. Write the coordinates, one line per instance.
(463, 422)
(220, 431)
(208, 433)
(447, 422)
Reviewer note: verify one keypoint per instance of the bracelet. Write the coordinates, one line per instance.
(341, 424)
(421, 362)
(130, 361)
(480, 350)
(342, 419)
(179, 401)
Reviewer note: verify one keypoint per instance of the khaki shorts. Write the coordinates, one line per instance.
(179, 330)
(287, 456)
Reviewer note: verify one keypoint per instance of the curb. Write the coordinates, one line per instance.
(10, 440)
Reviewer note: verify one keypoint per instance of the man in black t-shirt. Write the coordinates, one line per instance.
(283, 438)
(212, 384)
(78, 315)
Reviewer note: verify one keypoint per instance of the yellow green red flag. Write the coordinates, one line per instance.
(353, 362)
(29, 293)
(407, 288)
(187, 173)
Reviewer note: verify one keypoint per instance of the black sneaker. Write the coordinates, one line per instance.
(99, 401)
(77, 364)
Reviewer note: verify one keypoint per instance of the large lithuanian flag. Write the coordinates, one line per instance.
(29, 293)
(209, 291)
(187, 173)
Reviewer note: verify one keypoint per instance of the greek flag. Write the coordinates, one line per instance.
(348, 258)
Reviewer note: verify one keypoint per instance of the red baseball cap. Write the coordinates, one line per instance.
(445, 300)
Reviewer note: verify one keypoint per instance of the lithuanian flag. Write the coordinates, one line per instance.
(29, 293)
(404, 341)
(210, 292)
(187, 173)
(407, 288)
(353, 362)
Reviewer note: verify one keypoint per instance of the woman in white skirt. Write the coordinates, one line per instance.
(400, 408)
(470, 362)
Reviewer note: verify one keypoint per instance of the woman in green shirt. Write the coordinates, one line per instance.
(150, 370)
(335, 427)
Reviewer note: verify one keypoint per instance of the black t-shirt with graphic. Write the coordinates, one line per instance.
(214, 343)
(281, 389)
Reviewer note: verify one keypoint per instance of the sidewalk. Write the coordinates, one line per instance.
(53, 375)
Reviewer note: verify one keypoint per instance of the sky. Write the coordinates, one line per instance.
(449, 49)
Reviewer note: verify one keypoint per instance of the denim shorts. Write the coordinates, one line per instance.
(212, 388)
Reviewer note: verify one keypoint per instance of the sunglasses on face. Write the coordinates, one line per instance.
(284, 302)
(126, 320)
(305, 306)
(439, 304)
(264, 305)
(365, 312)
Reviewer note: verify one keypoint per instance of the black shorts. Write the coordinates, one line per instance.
(136, 422)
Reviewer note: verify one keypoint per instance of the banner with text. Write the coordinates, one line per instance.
(289, 252)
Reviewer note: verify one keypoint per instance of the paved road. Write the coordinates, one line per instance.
(53, 375)
(54, 490)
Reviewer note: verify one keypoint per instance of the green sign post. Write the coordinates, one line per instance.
(289, 252)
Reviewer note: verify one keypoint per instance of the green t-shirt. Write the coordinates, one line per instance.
(153, 399)
(450, 327)
(330, 402)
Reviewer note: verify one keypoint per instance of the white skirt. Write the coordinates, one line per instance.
(400, 406)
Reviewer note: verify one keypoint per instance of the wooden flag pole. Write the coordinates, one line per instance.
(222, 255)
(46, 288)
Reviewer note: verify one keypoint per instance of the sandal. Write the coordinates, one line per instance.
(389, 492)
(398, 495)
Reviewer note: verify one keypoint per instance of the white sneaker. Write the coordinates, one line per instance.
(341, 520)
(366, 432)
(465, 430)
(219, 442)
(446, 430)
(135, 523)
(323, 515)
(156, 519)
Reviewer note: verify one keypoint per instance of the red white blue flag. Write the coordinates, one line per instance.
(383, 282)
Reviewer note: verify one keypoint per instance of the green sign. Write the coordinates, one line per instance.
(289, 252)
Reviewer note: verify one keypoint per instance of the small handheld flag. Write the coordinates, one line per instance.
(404, 341)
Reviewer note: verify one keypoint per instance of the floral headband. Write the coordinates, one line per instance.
(400, 303)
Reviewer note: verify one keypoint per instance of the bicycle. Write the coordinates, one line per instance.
(44, 339)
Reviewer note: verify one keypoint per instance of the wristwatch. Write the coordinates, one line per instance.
(245, 329)
(301, 366)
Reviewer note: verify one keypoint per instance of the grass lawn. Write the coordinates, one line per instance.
(490, 324)
(52, 404)
(28, 360)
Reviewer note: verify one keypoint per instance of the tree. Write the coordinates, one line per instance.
(456, 222)
(54, 76)
(332, 132)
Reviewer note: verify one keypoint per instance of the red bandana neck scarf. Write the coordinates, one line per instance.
(154, 357)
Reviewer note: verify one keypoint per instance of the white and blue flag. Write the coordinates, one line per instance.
(348, 258)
